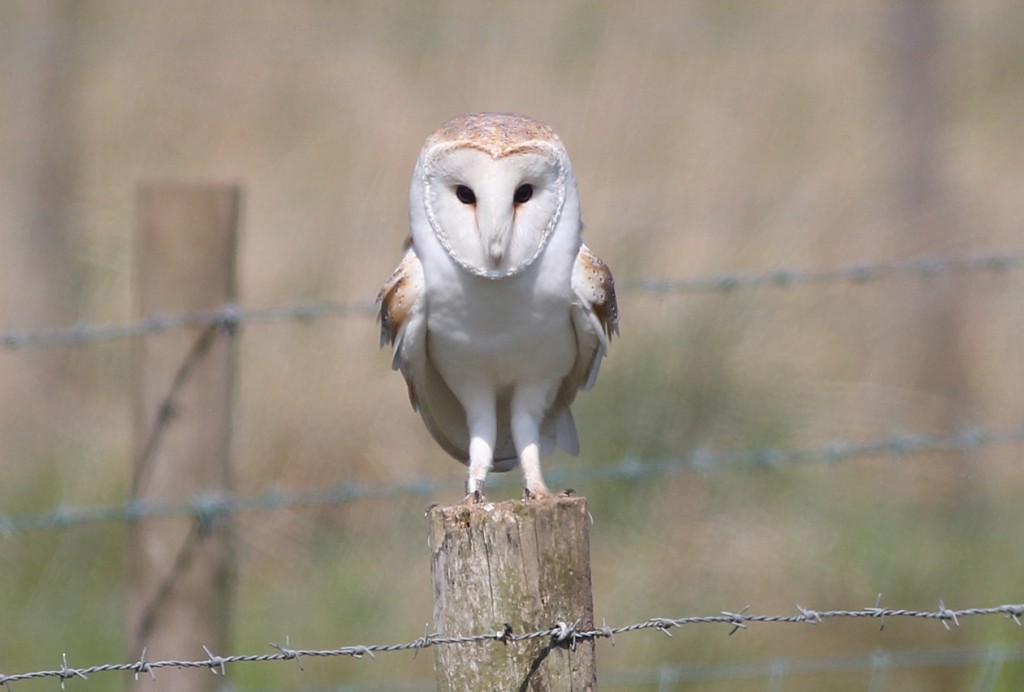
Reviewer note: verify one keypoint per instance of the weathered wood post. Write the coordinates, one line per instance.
(521, 564)
(181, 573)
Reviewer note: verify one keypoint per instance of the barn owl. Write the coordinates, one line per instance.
(498, 313)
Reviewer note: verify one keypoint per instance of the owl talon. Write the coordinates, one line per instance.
(473, 498)
(532, 495)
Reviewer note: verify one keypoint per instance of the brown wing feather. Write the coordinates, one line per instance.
(599, 289)
(398, 296)
(595, 318)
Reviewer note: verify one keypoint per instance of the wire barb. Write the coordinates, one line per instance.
(287, 652)
(878, 612)
(424, 641)
(565, 633)
(141, 666)
(215, 662)
(739, 619)
(66, 673)
(810, 616)
(663, 625)
(946, 615)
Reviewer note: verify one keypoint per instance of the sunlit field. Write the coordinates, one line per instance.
(709, 139)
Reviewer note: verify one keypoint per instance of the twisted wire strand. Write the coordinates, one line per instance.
(862, 273)
(207, 508)
(233, 315)
(228, 316)
(561, 633)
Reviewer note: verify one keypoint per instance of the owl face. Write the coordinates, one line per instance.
(493, 187)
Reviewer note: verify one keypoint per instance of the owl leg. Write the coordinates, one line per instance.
(528, 406)
(481, 418)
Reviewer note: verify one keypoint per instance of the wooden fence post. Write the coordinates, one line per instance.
(522, 564)
(181, 572)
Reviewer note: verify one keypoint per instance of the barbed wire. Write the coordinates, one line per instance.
(229, 316)
(863, 273)
(208, 507)
(234, 315)
(568, 634)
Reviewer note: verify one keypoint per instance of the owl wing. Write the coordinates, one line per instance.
(403, 324)
(595, 315)
(401, 302)
(595, 318)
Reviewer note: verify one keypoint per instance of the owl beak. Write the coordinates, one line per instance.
(495, 232)
(496, 251)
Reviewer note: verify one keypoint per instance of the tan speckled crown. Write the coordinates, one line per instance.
(496, 134)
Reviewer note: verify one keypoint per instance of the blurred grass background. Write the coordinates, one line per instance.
(707, 137)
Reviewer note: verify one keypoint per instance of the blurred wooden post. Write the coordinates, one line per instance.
(181, 572)
(934, 357)
(524, 564)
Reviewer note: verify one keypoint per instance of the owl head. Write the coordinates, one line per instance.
(492, 188)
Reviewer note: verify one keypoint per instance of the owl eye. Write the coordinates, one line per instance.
(523, 194)
(465, 194)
